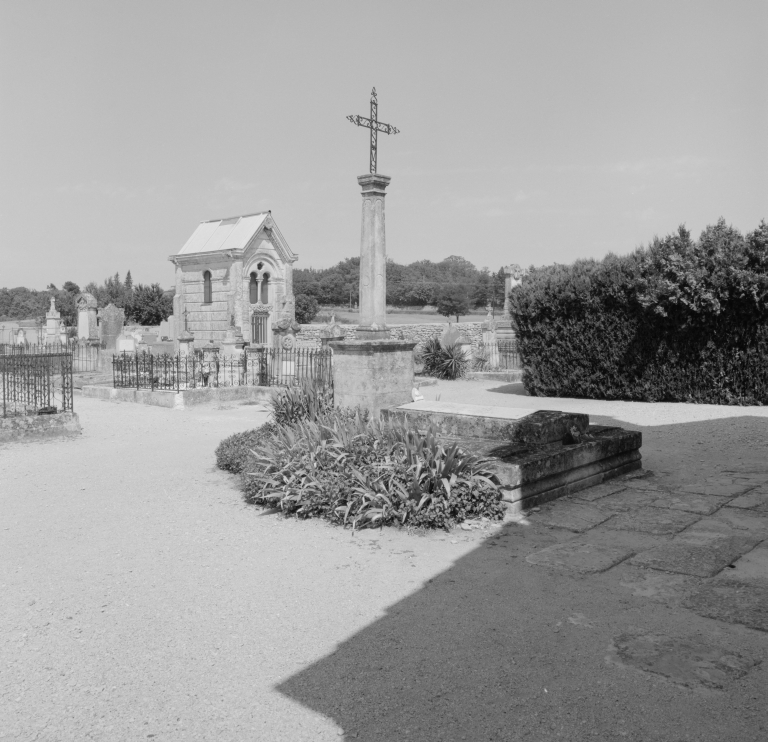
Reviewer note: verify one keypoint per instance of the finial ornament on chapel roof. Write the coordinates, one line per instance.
(375, 126)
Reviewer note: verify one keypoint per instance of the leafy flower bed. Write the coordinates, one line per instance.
(345, 468)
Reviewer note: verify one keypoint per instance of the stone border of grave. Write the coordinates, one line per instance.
(39, 427)
(185, 398)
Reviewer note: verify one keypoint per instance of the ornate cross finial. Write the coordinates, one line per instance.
(374, 125)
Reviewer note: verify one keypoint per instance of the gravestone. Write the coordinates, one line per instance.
(52, 321)
(87, 326)
(111, 326)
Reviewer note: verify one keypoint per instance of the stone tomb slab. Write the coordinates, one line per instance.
(573, 516)
(752, 567)
(519, 427)
(699, 552)
(716, 489)
(580, 556)
(657, 521)
(600, 491)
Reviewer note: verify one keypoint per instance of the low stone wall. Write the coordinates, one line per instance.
(185, 398)
(39, 427)
(419, 334)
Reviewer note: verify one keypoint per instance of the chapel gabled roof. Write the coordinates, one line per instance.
(236, 233)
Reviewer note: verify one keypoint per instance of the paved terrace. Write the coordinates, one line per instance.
(143, 600)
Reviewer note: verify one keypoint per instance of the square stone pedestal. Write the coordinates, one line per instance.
(537, 455)
(373, 374)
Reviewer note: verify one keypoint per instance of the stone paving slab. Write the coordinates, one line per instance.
(580, 556)
(732, 601)
(661, 587)
(716, 489)
(757, 499)
(628, 499)
(690, 503)
(701, 552)
(732, 520)
(686, 661)
(600, 490)
(573, 516)
(752, 567)
(658, 521)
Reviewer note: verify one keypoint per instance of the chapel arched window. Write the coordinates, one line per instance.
(265, 289)
(253, 290)
(207, 288)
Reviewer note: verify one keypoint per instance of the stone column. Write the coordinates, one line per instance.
(512, 276)
(373, 259)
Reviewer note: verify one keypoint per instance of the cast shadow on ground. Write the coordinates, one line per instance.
(478, 653)
(516, 388)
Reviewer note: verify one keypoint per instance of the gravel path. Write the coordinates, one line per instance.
(143, 600)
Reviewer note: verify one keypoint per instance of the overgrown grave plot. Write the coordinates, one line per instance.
(312, 460)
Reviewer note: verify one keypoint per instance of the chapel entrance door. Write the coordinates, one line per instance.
(259, 328)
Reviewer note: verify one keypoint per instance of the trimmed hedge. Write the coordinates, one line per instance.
(680, 320)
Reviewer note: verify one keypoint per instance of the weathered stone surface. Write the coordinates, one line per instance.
(599, 491)
(374, 374)
(690, 503)
(519, 427)
(39, 427)
(752, 567)
(523, 473)
(573, 516)
(628, 499)
(717, 489)
(755, 500)
(662, 587)
(657, 521)
(685, 661)
(739, 521)
(732, 601)
(699, 552)
(580, 556)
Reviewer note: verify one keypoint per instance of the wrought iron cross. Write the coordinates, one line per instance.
(375, 126)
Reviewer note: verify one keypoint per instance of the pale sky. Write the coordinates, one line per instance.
(531, 132)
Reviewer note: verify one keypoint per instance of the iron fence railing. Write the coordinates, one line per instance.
(35, 383)
(85, 357)
(509, 355)
(203, 368)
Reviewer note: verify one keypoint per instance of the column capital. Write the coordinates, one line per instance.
(373, 183)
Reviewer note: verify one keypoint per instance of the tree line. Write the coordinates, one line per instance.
(144, 304)
(453, 285)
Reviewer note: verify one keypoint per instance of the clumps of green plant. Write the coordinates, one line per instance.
(232, 453)
(444, 361)
(364, 473)
(306, 401)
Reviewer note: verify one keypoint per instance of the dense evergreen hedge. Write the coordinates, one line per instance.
(679, 320)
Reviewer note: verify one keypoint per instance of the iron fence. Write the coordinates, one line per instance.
(208, 368)
(509, 355)
(36, 383)
(85, 357)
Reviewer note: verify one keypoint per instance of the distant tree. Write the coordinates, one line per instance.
(453, 301)
(72, 287)
(149, 305)
(51, 287)
(128, 282)
(306, 308)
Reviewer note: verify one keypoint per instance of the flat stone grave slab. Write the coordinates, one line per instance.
(690, 503)
(519, 427)
(573, 516)
(732, 601)
(600, 491)
(580, 556)
(755, 500)
(686, 661)
(699, 552)
(658, 521)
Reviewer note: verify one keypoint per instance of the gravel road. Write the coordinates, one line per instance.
(143, 600)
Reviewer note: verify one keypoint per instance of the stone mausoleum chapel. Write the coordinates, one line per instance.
(234, 273)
